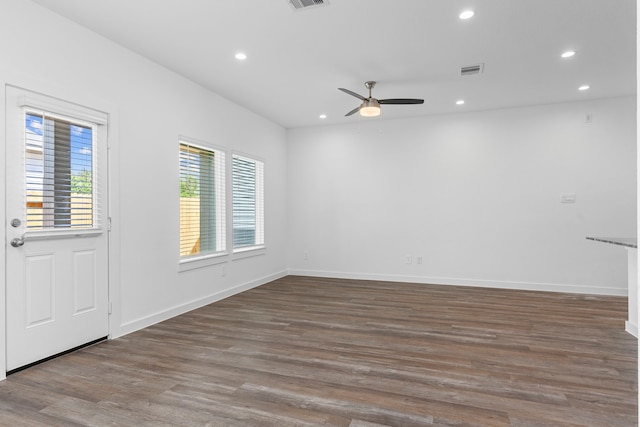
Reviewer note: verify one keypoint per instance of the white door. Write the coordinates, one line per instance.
(57, 242)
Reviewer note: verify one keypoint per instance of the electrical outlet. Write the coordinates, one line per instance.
(224, 270)
(419, 260)
(305, 256)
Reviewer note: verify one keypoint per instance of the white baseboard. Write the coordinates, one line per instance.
(483, 283)
(147, 321)
(631, 328)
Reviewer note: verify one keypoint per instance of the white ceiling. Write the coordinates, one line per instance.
(413, 48)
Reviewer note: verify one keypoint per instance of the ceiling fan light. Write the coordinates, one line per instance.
(370, 111)
(370, 108)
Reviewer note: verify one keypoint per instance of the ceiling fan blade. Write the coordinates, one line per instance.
(355, 110)
(400, 101)
(360, 97)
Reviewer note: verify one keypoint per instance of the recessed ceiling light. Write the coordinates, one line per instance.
(467, 14)
(584, 87)
(241, 56)
(460, 102)
(323, 116)
(568, 54)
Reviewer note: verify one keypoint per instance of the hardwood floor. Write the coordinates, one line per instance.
(309, 351)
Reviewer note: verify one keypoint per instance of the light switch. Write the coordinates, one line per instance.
(568, 198)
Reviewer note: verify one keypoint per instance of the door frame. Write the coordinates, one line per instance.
(75, 95)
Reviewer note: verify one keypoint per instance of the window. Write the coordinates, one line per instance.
(59, 173)
(202, 201)
(248, 202)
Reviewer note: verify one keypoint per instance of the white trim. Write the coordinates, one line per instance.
(248, 252)
(3, 247)
(38, 101)
(247, 156)
(187, 264)
(481, 283)
(202, 144)
(113, 220)
(631, 328)
(161, 316)
(62, 234)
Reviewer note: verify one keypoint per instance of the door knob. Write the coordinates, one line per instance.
(17, 241)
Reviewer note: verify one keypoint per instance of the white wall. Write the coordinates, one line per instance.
(476, 195)
(149, 106)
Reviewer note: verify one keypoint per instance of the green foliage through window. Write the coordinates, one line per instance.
(188, 186)
(81, 182)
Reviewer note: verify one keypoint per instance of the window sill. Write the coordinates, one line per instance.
(249, 252)
(62, 234)
(193, 263)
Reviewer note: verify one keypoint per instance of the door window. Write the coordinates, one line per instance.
(59, 173)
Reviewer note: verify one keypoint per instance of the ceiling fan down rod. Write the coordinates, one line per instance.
(370, 85)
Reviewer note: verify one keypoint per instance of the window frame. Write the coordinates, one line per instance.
(36, 103)
(257, 248)
(48, 216)
(190, 262)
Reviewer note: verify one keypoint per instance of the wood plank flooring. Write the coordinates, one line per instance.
(309, 351)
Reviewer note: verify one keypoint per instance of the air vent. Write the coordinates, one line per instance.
(306, 4)
(471, 70)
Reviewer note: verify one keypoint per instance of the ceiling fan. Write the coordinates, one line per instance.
(370, 107)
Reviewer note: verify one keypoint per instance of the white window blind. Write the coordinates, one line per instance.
(248, 202)
(60, 173)
(202, 200)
